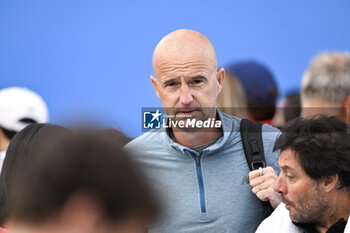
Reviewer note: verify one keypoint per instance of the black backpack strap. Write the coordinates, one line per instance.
(253, 144)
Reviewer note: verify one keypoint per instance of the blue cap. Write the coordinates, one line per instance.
(257, 81)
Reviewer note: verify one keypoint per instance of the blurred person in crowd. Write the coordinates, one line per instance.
(21, 153)
(115, 136)
(18, 108)
(288, 109)
(315, 178)
(82, 183)
(326, 86)
(260, 88)
(292, 107)
(232, 100)
(202, 172)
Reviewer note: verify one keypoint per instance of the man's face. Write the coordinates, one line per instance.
(302, 196)
(188, 87)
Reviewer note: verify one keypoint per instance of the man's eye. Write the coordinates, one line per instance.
(170, 84)
(289, 177)
(197, 82)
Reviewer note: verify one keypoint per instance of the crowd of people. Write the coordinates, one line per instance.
(267, 166)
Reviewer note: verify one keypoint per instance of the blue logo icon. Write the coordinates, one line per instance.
(151, 119)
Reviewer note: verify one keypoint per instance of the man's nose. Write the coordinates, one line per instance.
(186, 97)
(280, 186)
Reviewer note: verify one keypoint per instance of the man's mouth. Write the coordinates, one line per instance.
(287, 203)
(185, 111)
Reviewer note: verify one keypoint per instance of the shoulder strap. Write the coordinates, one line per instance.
(252, 144)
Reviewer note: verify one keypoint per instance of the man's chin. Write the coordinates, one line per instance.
(291, 216)
(288, 206)
(291, 211)
(295, 217)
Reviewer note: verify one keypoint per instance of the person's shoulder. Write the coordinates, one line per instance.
(270, 134)
(147, 141)
(227, 117)
(270, 128)
(229, 123)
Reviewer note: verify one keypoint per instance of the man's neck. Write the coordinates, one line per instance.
(341, 210)
(196, 138)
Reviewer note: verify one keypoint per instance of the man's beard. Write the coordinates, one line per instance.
(311, 207)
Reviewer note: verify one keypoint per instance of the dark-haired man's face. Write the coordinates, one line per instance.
(301, 195)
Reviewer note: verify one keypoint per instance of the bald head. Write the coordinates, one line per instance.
(187, 77)
(184, 46)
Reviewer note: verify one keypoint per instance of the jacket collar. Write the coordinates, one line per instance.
(229, 126)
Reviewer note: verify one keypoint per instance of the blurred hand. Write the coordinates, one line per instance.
(262, 186)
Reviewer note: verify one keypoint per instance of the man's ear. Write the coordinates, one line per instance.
(155, 82)
(330, 183)
(220, 77)
(346, 112)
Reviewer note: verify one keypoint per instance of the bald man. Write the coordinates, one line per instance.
(201, 172)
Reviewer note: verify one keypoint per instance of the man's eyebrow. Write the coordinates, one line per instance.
(286, 168)
(198, 77)
(170, 80)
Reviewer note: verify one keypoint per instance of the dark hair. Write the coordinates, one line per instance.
(11, 133)
(21, 153)
(322, 146)
(263, 110)
(115, 136)
(83, 162)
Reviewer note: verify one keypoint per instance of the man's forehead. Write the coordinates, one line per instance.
(183, 58)
(287, 159)
(186, 68)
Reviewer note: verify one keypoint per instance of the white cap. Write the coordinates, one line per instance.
(17, 103)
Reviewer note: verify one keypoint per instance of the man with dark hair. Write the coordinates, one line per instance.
(315, 177)
(18, 108)
(82, 183)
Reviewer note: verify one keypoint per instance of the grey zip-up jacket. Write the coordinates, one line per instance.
(206, 191)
